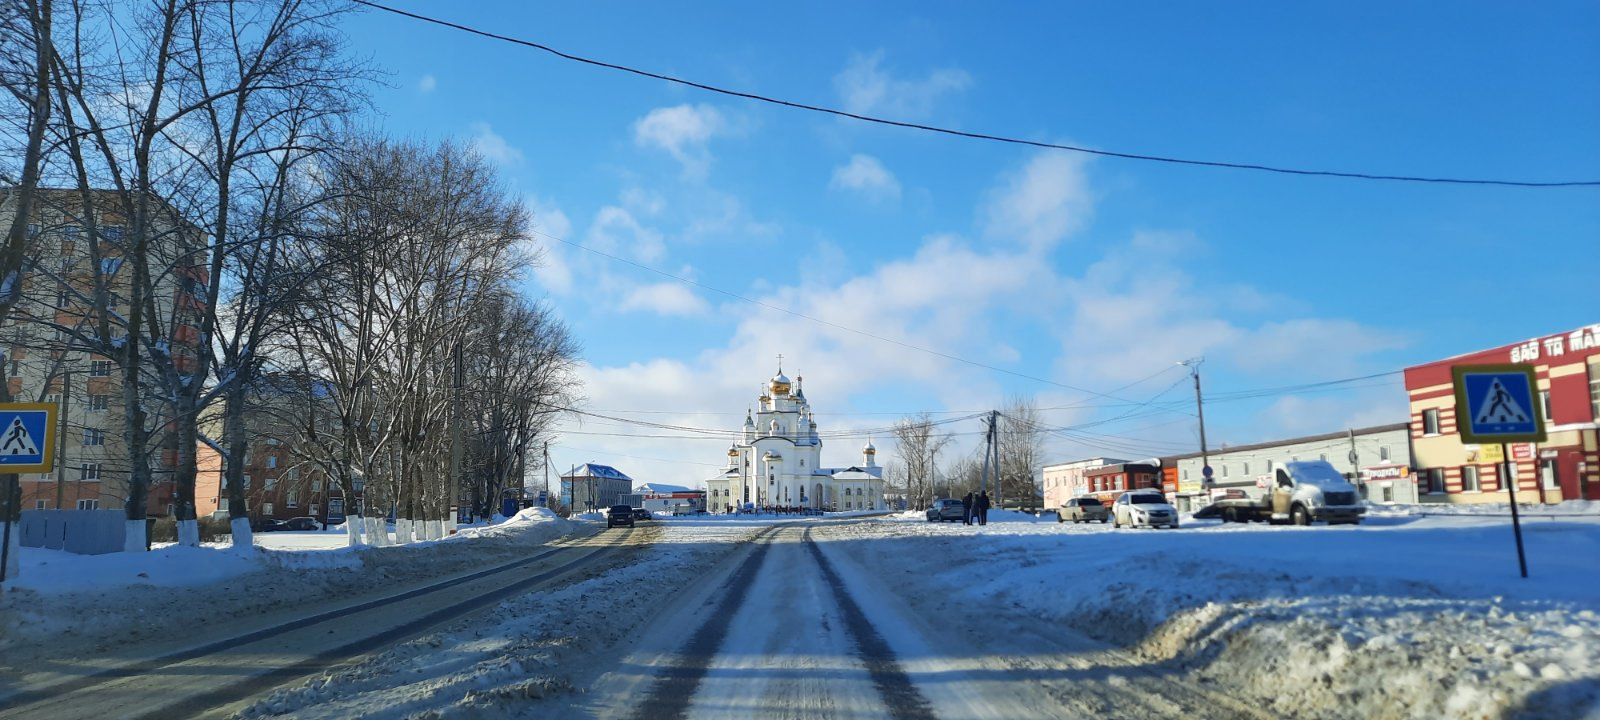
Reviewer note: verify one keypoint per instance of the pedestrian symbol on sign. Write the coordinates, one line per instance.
(17, 441)
(1499, 407)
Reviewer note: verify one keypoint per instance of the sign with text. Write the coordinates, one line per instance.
(1497, 404)
(27, 437)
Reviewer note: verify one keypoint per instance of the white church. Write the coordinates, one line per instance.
(777, 461)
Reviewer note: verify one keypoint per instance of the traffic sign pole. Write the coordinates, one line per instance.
(1516, 522)
(1501, 405)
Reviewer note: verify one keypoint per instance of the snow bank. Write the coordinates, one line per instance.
(1409, 617)
(65, 605)
(1569, 508)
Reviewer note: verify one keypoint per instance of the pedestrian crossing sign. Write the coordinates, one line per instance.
(27, 437)
(1498, 404)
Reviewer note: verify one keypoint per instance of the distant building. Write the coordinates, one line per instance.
(1064, 481)
(777, 461)
(1564, 467)
(1377, 459)
(592, 485)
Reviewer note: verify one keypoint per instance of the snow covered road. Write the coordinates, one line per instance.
(719, 617)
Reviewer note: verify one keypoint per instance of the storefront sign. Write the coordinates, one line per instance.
(1522, 451)
(1386, 472)
(1485, 454)
(1586, 338)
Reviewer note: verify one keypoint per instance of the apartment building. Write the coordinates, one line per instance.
(46, 358)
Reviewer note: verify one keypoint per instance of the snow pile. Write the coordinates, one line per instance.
(64, 605)
(1402, 617)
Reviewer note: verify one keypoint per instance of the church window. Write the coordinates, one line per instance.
(802, 462)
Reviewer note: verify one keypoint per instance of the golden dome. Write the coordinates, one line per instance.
(779, 384)
(733, 451)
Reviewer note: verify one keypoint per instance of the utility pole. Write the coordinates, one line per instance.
(547, 473)
(994, 445)
(1200, 409)
(61, 441)
(988, 447)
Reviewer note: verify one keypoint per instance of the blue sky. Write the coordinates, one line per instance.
(1075, 271)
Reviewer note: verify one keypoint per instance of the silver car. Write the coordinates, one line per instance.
(947, 510)
(1143, 509)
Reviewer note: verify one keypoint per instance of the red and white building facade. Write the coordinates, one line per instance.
(1564, 467)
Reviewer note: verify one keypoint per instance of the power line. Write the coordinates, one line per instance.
(980, 136)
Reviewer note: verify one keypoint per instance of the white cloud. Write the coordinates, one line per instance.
(492, 146)
(427, 83)
(554, 273)
(684, 132)
(667, 298)
(1042, 203)
(864, 174)
(615, 230)
(867, 89)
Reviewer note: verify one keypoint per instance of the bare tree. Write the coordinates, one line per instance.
(1020, 440)
(25, 111)
(918, 444)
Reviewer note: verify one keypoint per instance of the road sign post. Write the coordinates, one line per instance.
(1501, 405)
(27, 445)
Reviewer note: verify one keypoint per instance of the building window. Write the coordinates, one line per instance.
(1544, 404)
(266, 508)
(246, 481)
(1186, 473)
(1323, 457)
(272, 461)
(1430, 421)
(1548, 474)
(1383, 452)
(1435, 478)
(100, 368)
(94, 436)
(315, 510)
(89, 471)
(98, 403)
(1245, 471)
(1269, 467)
(1469, 478)
(1594, 390)
(1224, 469)
(222, 504)
(293, 501)
(88, 504)
(41, 504)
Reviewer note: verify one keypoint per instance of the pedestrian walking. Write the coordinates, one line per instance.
(966, 509)
(983, 507)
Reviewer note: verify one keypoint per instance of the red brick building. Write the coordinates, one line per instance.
(1564, 467)
(1108, 481)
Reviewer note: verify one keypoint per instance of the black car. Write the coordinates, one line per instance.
(269, 525)
(619, 515)
(302, 523)
(642, 514)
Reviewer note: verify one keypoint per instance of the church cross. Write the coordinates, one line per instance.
(780, 362)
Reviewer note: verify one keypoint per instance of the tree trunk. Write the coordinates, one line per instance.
(237, 444)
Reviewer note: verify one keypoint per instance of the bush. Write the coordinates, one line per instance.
(211, 529)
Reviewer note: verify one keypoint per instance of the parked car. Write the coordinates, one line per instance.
(302, 523)
(269, 525)
(1146, 509)
(642, 514)
(947, 510)
(619, 515)
(1084, 509)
